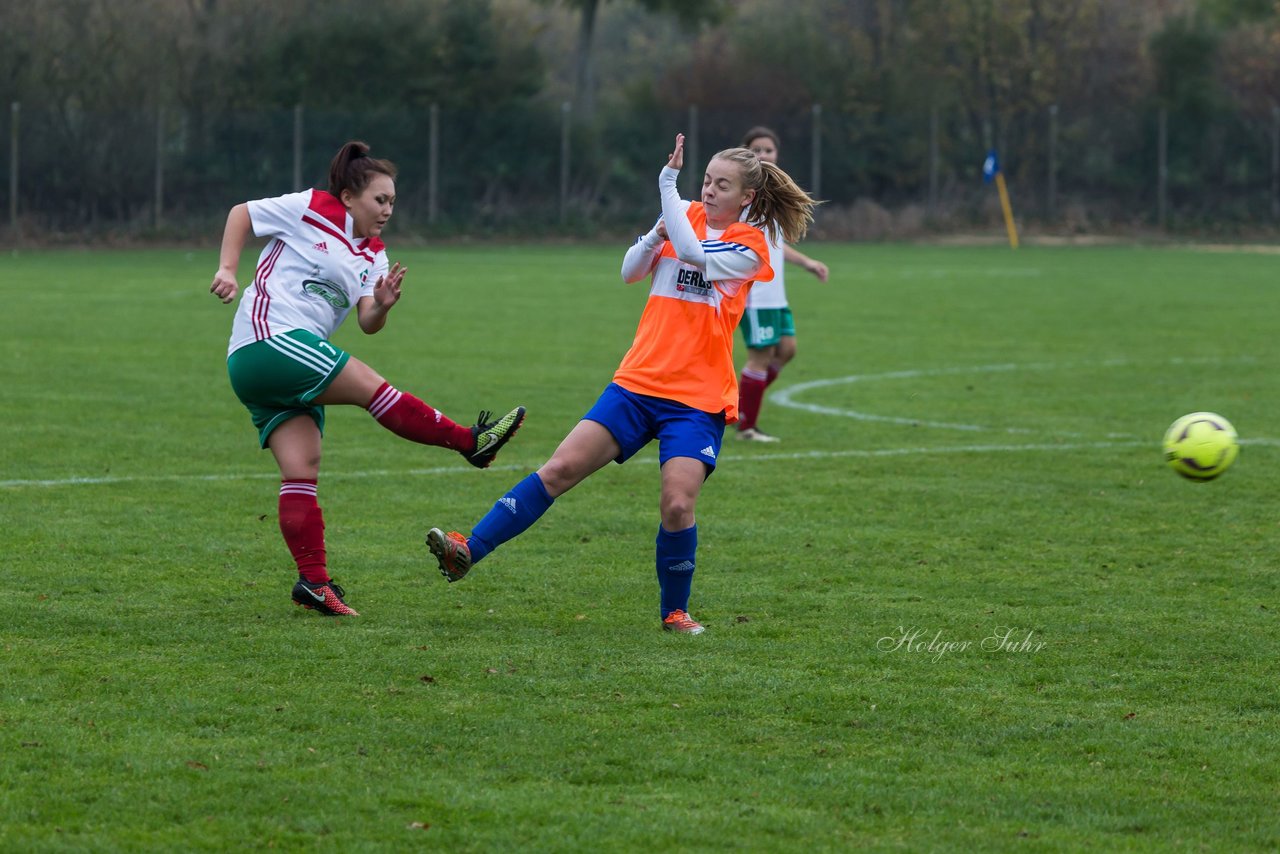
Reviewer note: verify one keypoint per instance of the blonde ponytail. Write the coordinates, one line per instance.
(780, 205)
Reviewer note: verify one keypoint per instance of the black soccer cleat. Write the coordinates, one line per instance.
(491, 436)
(325, 597)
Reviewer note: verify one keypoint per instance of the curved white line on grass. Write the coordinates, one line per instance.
(786, 397)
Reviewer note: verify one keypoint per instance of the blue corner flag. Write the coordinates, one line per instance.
(990, 167)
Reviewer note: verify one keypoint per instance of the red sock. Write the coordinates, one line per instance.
(750, 396)
(774, 370)
(302, 525)
(410, 418)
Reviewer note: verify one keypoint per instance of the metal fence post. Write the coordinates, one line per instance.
(693, 167)
(816, 184)
(1275, 162)
(297, 148)
(1162, 166)
(159, 189)
(933, 161)
(1051, 206)
(566, 118)
(15, 110)
(433, 165)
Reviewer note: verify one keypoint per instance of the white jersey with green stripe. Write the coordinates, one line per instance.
(311, 273)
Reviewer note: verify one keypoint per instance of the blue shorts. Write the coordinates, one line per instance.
(637, 419)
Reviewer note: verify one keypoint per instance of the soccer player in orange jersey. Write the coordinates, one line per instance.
(677, 383)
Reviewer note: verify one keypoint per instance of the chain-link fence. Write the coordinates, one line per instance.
(535, 171)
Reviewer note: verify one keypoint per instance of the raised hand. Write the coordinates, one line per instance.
(386, 292)
(676, 160)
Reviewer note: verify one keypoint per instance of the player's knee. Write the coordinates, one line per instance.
(559, 474)
(677, 512)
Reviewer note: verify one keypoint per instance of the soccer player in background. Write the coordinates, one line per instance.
(325, 255)
(768, 325)
(677, 383)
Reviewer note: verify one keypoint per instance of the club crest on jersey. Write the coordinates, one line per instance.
(327, 291)
(689, 280)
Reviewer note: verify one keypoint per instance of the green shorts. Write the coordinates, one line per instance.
(764, 327)
(278, 377)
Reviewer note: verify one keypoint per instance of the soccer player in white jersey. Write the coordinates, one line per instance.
(768, 325)
(324, 256)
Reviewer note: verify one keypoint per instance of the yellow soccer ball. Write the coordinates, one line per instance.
(1201, 446)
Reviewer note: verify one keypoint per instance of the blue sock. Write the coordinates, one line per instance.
(511, 515)
(675, 567)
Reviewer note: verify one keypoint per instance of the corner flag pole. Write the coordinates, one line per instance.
(1008, 211)
(990, 170)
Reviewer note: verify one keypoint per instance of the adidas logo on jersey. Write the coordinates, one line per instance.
(323, 246)
(709, 451)
(508, 502)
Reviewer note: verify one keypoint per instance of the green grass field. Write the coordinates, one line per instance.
(971, 454)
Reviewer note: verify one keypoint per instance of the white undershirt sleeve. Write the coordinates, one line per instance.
(640, 258)
(679, 230)
(729, 261)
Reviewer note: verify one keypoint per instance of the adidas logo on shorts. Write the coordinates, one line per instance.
(709, 451)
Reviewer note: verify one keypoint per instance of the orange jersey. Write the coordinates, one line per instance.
(683, 349)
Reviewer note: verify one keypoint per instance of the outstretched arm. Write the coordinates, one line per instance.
(795, 256)
(234, 236)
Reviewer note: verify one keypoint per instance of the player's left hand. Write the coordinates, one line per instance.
(386, 292)
(676, 160)
(820, 270)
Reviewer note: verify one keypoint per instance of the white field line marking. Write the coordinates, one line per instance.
(783, 397)
(734, 459)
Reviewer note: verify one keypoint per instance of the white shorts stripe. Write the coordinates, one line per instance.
(301, 354)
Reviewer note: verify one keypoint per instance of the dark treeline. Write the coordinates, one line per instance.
(125, 107)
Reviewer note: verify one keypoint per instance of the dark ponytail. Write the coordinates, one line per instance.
(352, 168)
